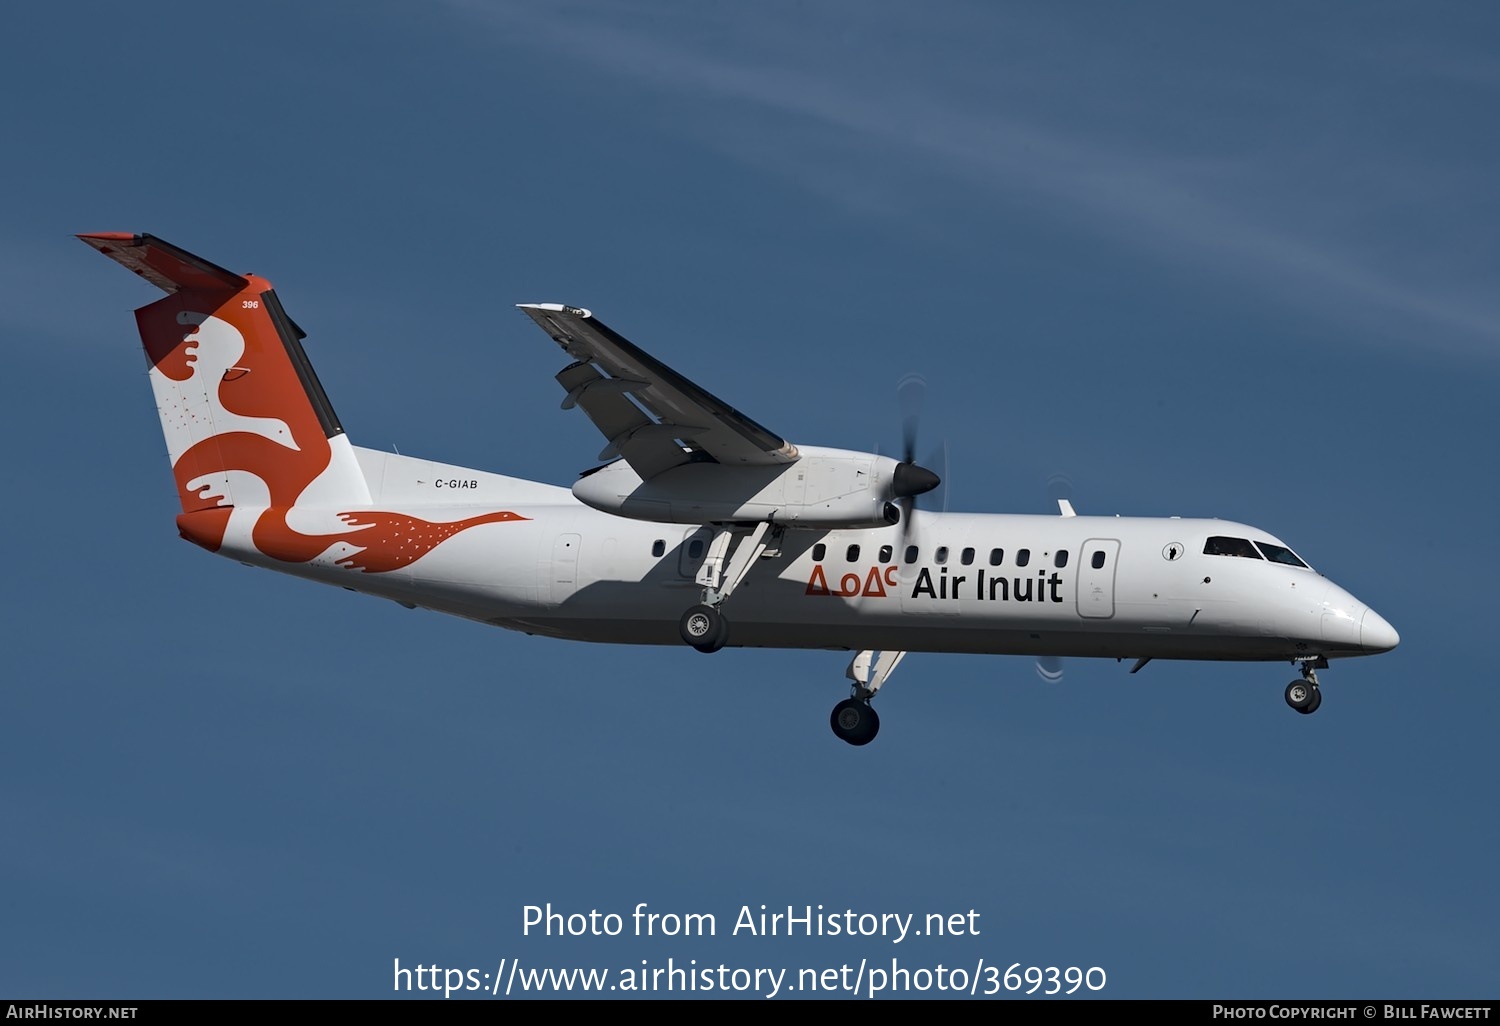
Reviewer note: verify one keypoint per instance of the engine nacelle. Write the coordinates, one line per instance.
(828, 488)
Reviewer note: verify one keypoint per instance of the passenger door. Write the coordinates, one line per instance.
(1096, 578)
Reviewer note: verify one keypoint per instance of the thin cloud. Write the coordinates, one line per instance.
(1238, 215)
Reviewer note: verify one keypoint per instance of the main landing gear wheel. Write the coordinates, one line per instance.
(704, 628)
(854, 721)
(1304, 696)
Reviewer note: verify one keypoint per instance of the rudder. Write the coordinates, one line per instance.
(246, 420)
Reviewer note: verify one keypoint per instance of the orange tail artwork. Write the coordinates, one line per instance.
(248, 426)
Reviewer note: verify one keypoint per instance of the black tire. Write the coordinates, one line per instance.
(719, 640)
(1300, 694)
(702, 626)
(854, 721)
(1312, 705)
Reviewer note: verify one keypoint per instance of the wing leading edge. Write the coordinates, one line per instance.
(650, 415)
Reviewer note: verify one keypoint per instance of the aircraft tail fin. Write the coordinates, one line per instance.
(245, 418)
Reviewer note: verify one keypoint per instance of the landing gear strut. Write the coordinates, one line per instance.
(1303, 693)
(703, 626)
(854, 719)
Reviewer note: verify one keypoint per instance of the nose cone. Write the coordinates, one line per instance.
(1375, 634)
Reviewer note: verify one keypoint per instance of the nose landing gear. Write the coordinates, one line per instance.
(854, 720)
(1303, 694)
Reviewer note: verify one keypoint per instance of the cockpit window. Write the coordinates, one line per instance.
(1280, 554)
(1221, 546)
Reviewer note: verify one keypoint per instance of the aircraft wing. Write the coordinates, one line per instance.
(651, 416)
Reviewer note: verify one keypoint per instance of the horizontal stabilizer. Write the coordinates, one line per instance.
(163, 264)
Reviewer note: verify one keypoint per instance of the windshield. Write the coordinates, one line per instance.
(1222, 546)
(1280, 554)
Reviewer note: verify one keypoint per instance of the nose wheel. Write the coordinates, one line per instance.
(1304, 696)
(854, 721)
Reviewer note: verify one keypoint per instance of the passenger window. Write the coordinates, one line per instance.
(1097, 560)
(1023, 556)
(819, 551)
(941, 555)
(659, 547)
(911, 553)
(886, 552)
(1061, 559)
(695, 549)
(997, 556)
(852, 554)
(968, 557)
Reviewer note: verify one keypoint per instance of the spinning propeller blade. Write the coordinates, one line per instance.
(911, 479)
(1050, 668)
(1060, 491)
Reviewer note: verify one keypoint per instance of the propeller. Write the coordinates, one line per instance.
(1050, 668)
(1059, 486)
(937, 460)
(1059, 490)
(910, 479)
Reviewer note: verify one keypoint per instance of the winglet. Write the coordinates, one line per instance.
(164, 265)
(1065, 508)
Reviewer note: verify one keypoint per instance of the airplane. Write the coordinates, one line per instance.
(696, 526)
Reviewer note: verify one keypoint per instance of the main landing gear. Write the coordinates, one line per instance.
(703, 626)
(1303, 693)
(854, 719)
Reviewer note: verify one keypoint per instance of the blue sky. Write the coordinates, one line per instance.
(1203, 260)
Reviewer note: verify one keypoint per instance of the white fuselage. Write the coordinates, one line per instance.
(1121, 587)
(706, 529)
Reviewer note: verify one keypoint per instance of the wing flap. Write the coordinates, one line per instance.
(672, 411)
(630, 433)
